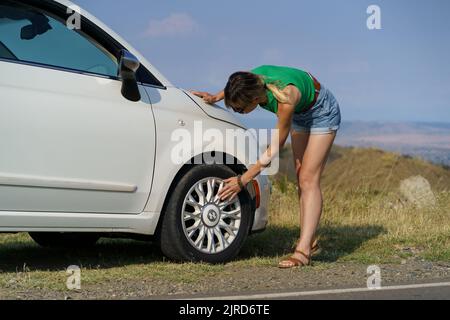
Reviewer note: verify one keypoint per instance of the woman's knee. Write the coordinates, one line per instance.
(309, 180)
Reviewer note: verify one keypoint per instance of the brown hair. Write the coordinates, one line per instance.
(243, 87)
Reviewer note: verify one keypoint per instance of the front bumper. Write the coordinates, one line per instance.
(262, 213)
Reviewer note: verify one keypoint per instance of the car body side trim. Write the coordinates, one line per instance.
(143, 223)
(58, 183)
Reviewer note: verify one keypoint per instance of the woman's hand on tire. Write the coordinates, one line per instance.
(231, 189)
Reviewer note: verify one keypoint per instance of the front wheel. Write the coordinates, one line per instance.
(197, 225)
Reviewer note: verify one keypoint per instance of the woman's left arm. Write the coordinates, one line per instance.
(283, 127)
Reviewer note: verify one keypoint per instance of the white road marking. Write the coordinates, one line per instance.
(325, 292)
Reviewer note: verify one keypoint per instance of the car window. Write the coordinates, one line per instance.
(31, 35)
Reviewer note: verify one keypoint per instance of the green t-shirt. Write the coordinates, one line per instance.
(285, 76)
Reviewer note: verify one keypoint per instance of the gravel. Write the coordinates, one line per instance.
(257, 279)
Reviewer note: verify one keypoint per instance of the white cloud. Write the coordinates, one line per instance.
(175, 24)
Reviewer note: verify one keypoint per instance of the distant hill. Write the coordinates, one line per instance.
(429, 141)
(351, 168)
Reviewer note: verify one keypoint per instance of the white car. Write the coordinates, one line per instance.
(86, 142)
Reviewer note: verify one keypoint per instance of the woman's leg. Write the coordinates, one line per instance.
(310, 170)
(314, 161)
(299, 141)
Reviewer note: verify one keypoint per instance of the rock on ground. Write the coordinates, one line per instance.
(417, 190)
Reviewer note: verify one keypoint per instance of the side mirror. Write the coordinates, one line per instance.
(128, 66)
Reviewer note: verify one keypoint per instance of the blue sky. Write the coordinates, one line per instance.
(398, 73)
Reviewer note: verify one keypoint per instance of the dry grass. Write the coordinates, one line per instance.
(362, 227)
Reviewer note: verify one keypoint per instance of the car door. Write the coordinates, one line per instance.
(69, 140)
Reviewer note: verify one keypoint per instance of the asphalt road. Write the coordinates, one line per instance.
(424, 291)
(442, 293)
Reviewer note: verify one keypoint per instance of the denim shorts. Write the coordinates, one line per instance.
(323, 118)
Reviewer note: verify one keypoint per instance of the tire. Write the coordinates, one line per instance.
(64, 240)
(175, 242)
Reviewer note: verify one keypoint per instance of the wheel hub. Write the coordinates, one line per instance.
(211, 215)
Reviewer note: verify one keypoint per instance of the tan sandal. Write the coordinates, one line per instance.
(294, 262)
(315, 249)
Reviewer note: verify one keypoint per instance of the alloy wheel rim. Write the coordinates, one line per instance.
(210, 224)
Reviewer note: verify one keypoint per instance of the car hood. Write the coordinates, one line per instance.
(215, 111)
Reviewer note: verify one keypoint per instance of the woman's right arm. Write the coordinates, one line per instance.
(209, 98)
